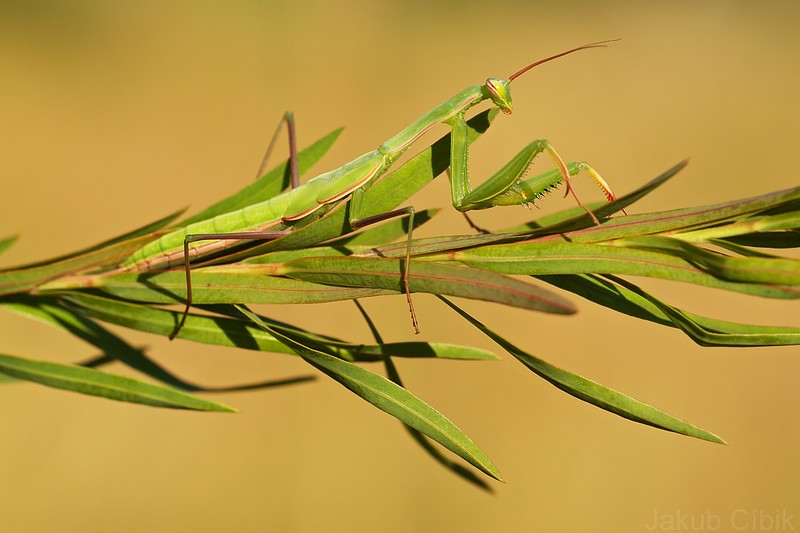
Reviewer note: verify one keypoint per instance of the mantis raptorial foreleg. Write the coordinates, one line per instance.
(273, 218)
(526, 191)
(508, 186)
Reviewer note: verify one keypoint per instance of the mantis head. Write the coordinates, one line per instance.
(499, 91)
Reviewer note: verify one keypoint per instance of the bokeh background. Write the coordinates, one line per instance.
(114, 114)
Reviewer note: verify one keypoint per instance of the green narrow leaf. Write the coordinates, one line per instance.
(607, 294)
(391, 399)
(421, 249)
(363, 352)
(28, 277)
(429, 277)
(284, 256)
(543, 257)
(95, 383)
(387, 232)
(709, 332)
(53, 313)
(50, 312)
(665, 221)
(756, 224)
(139, 234)
(754, 269)
(235, 283)
(593, 392)
(235, 332)
(107, 253)
(770, 239)
(199, 328)
(426, 248)
(738, 249)
(456, 468)
(6, 243)
(394, 376)
(627, 298)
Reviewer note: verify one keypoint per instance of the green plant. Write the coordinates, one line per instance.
(719, 246)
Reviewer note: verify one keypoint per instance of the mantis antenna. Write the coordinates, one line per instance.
(598, 44)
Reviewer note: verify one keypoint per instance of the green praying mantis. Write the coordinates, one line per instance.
(275, 217)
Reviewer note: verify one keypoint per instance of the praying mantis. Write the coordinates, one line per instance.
(275, 217)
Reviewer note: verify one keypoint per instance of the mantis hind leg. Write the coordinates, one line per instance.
(288, 119)
(404, 211)
(243, 235)
(294, 173)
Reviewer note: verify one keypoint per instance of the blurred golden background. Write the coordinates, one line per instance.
(114, 114)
